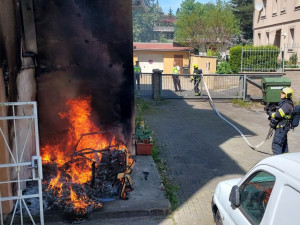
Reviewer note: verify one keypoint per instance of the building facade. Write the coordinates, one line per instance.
(277, 22)
(160, 56)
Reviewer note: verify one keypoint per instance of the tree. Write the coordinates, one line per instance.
(143, 23)
(170, 14)
(243, 10)
(204, 25)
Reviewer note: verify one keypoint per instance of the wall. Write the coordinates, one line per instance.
(5, 189)
(85, 49)
(208, 64)
(274, 18)
(168, 58)
(21, 83)
(294, 75)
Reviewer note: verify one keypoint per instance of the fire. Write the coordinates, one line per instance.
(80, 203)
(76, 154)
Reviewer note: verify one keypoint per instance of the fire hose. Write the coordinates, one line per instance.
(254, 147)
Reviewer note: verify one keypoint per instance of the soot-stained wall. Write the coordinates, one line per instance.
(85, 49)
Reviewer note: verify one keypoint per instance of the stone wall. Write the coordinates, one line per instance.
(294, 75)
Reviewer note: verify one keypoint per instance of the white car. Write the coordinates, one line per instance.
(269, 194)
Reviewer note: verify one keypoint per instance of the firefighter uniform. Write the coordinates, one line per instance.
(196, 79)
(282, 116)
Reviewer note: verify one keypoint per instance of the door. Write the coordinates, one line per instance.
(179, 61)
(22, 163)
(148, 62)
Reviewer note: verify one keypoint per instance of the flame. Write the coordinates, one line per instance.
(78, 168)
(80, 203)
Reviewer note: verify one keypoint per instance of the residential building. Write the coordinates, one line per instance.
(277, 22)
(165, 28)
(160, 56)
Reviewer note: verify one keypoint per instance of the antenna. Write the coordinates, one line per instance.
(258, 5)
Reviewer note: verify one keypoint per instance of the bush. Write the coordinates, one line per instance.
(235, 54)
(212, 53)
(224, 68)
(293, 59)
(262, 58)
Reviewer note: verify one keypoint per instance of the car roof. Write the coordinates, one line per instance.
(288, 163)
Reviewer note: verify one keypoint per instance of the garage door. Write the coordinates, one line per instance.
(148, 62)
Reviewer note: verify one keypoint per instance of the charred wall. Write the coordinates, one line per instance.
(9, 46)
(85, 49)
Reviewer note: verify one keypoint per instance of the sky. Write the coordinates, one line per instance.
(175, 4)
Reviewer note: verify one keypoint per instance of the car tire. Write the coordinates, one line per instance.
(218, 218)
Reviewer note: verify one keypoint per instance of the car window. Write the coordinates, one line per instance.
(255, 194)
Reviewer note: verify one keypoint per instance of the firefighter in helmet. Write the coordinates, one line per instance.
(196, 78)
(281, 117)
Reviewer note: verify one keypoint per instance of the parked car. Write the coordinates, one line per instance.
(269, 194)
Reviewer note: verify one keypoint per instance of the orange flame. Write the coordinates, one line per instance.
(80, 203)
(79, 169)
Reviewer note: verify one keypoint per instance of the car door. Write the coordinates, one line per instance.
(255, 192)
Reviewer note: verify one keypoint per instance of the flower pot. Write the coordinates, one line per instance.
(144, 149)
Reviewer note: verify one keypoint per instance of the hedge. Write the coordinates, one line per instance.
(261, 58)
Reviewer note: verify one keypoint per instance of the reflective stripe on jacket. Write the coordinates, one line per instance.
(284, 111)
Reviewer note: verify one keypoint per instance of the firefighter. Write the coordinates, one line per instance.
(196, 79)
(281, 117)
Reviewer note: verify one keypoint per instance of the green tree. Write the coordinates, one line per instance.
(170, 14)
(203, 25)
(243, 10)
(143, 23)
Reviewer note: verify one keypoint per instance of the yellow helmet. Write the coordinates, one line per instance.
(195, 66)
(288, 92)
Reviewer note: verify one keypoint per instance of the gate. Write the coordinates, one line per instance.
(223, 86)
(22, 166)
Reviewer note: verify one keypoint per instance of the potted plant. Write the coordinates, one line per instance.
(143, 137)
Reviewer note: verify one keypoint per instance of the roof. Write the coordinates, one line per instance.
(288, 163)
(139, 46)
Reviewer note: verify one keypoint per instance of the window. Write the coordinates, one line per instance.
(274, 11)
(258, 39)
(283, 6)
(292, 36)
(264, 10)
(255, 194)
(268, 38)
(291, 40)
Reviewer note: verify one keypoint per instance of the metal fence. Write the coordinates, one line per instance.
(291, 56)
(144, 89)
(260, 60)
(24, 165)
(220, 86)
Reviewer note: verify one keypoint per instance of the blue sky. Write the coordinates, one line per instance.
(175, 4)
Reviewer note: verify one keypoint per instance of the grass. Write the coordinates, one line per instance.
(144, 107)
(242, 103)
(170, 188)
(246, 104)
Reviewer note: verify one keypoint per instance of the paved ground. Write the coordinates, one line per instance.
(201, 149)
